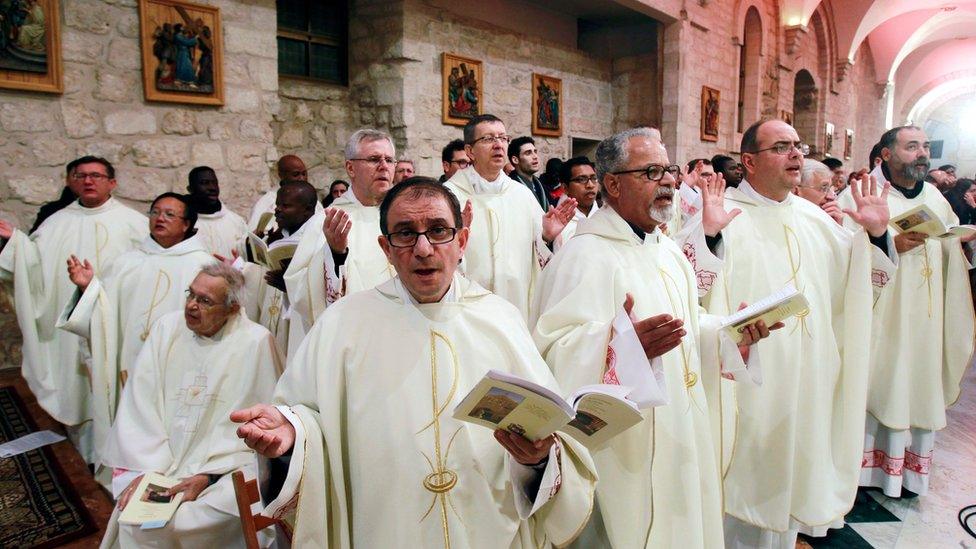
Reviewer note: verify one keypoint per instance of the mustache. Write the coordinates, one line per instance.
(663, 192)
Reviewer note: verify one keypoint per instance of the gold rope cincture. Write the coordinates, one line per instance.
(690, 378)
(157, 299)
(441, 480)
(795, 268)
(493, 238)
(101, 241)
(927, 274)
(274, 310)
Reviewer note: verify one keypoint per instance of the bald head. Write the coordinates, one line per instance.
(294, 205)
(291, 168)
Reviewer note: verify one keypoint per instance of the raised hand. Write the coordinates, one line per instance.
(229, 261)
(336, 229)
(467, 214)
(872, 207)
(80, 273)
(6, 230)
(265, 430)
(692, 178)
(657, 334)
(524, 450)
(556, 219)
(714, 216)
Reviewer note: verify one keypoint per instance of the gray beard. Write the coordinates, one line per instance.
(915, 173)
(662, 215)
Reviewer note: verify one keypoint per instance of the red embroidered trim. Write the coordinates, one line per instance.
(728, 375)
(610, 375)
(288, 507)
(331, 294)
(877, 458)
(704, 278)
(879, 278)
(917, 463)
(559, 471)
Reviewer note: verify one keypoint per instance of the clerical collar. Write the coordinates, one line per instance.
(907, 193)
(637, 230)
(482, 185)
(752, 193)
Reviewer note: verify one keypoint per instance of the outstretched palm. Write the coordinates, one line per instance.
(556, 219)
(872, 208)
(80, 273)
(714, 216)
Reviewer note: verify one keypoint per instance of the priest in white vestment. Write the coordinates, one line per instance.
(659, 481)
(926, 329)
(115, 312)
(341, 257)
(97, 227)
(377, 458)
(267, 300)
(510, 234)
(290, 168)
(220, 230)
(817, 186)
(578, 177)
(197, 366)
(791, 448)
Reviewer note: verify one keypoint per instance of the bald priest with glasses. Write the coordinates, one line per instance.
(96, 226)
(791, 446)
(377, 459)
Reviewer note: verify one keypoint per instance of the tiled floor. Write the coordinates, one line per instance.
(929, 521)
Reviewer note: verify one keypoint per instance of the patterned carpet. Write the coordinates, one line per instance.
(38, 507)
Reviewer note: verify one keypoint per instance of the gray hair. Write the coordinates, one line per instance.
(233, 278)
(365, 135)
(811, 168)
(611, 153)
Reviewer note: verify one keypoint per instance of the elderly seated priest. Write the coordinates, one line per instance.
(378, 458)
(196, 366)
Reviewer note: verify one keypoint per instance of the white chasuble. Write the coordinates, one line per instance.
(659, 481)
(505, 252)
(379, 459)
(572, 226)
(312, 279)
(174, 419)
(221, 232)
(53, 365)
(926, 325)
(116, 316)
(792, 446)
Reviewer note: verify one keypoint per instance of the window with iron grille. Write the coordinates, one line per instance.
(312, 39)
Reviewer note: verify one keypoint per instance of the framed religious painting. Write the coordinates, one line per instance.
(463, 88)
(30, 46)
(547, 101)
(828, 138)
(182, 52)
(709, 113)
(848, 144)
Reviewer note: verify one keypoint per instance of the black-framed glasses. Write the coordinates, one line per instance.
(584, 179)
(461, 163)
(654, 172)
(408, 239)
(784, 147)
(492, 139)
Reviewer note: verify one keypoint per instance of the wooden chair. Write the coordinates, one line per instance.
(247, 493)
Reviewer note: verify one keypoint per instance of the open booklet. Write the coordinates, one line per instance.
(921, 219)
(775, 307)
(503, 401)
(149, 507)
(275, 256)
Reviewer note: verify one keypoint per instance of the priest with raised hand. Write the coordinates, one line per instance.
(114, 312)
(267, 302)
(659, 481)
(791, 448)
(377, 456)
(196, 367)
(927, 329)
(221, 231)
(579, 179)
(97, 227)
(342, 257)
(510, 234)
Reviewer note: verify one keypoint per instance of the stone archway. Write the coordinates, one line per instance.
(806, 103)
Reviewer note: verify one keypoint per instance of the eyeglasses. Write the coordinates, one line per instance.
(376, 160)
(492, 139)
(461, 163)
(784, 147)
(79, 176)
(707, 175)
(202, 301)
(168, 215)
(584, 179)
(408, 239)
(821, 188)
(654, 172)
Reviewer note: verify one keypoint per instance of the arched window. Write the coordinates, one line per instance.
(750, 70)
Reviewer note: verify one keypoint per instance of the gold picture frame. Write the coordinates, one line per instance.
(828, 138)
(848, 144)
(547, 103)
(31, 59)
(182, 52)
(710, 103)
(463, 81)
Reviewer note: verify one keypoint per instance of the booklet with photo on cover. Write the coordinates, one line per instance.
(921, 219)
(593, 415)
(775, 307)
(149, 507)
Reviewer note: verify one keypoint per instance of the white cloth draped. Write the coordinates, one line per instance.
(222, 231)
